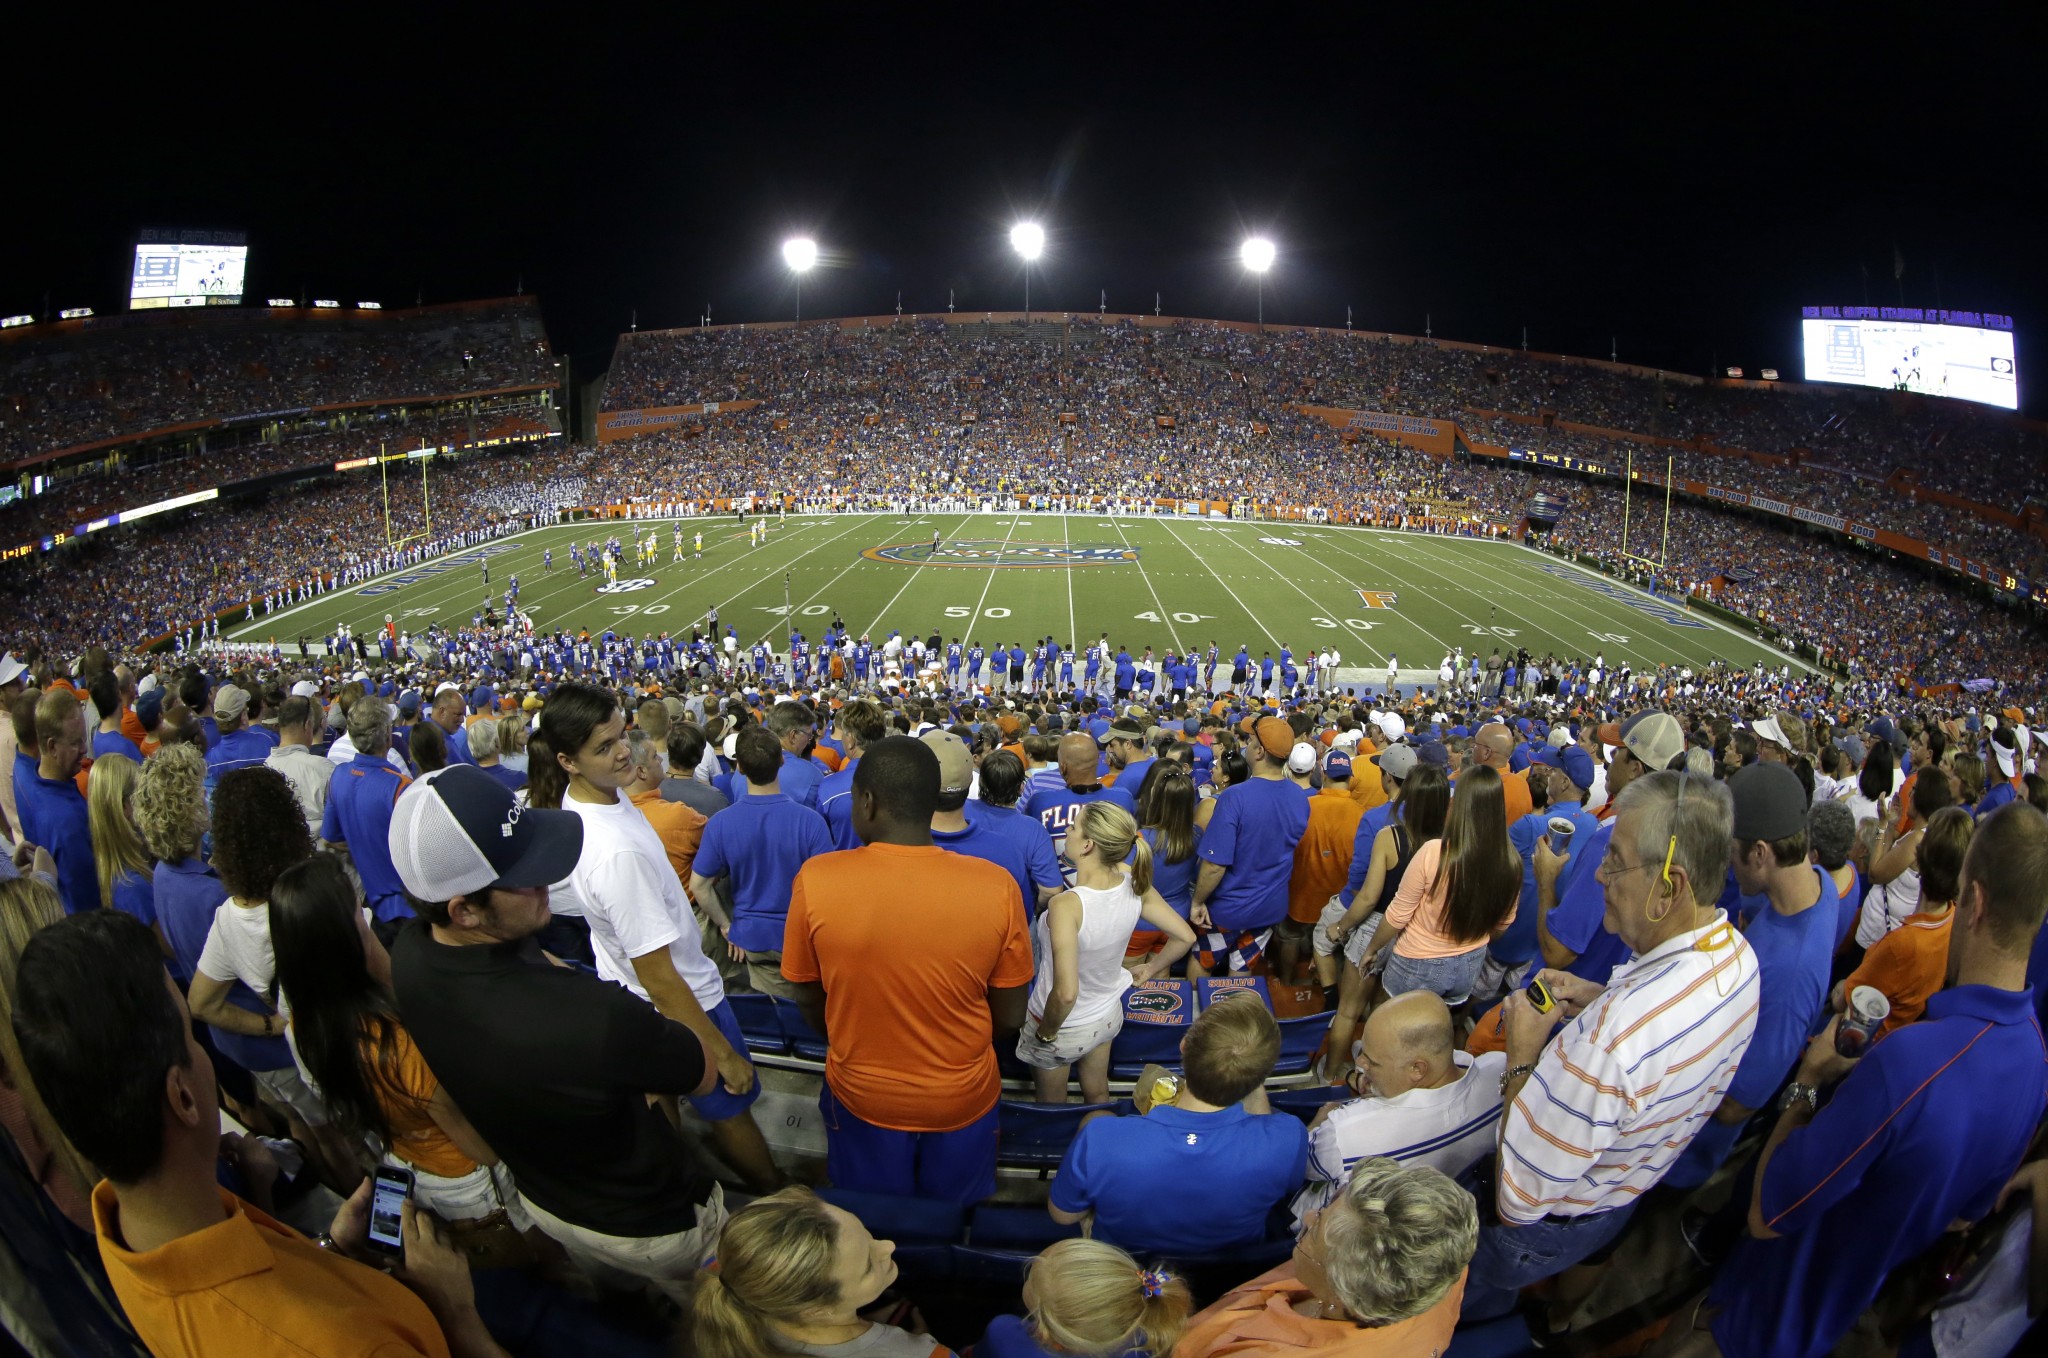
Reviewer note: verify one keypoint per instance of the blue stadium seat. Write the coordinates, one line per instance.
(1303, 1103)
(917, 1221)
(1212, 988)
(804, 1040)
(1003, 1226)
(1140, 1044)
(1300, 1039)
(1036, 1135)
(759, 1023)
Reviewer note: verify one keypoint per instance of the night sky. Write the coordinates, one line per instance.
(1677, 189)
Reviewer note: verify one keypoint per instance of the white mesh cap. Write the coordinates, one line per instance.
(458, 830)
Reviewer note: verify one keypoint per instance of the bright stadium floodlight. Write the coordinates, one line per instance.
(800, 253)
(1028, 240)
(1257, 254)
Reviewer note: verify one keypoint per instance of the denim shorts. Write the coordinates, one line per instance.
(1449, 977)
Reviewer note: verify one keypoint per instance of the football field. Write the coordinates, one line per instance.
(1168, 583)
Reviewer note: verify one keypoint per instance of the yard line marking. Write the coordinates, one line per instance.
(1073, 628)
(918, 572)
(1355, 633)
(1138, 560)
(1250, 612)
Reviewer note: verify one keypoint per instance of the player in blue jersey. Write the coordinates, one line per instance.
(1067, 668)
(547, 559)
(953, 663)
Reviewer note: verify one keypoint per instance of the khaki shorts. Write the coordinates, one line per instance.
(1069, 1044)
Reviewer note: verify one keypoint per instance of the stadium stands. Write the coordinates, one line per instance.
(77, 383)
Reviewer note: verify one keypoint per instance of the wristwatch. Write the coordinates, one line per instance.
(1796, 1093)
(1513, 1073)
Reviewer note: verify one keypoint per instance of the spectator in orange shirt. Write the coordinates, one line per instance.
(1911, 962)
(1379, 1273)
(909, 997)
(1491, 748)
(1322, 860)
(107, 1039)
(680, 828)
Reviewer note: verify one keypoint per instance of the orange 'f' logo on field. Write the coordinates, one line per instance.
(1377, 598)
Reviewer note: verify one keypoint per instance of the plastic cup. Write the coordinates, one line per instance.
(1561, 830)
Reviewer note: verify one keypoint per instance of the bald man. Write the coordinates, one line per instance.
(1080, 783)
(1493, 746)
(1421, 1100)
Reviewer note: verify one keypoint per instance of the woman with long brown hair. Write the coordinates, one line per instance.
(1421, 803)
(1456, 894)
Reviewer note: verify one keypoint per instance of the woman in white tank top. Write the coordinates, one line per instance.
(1080, 939)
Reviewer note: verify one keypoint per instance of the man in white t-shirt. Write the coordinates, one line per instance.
(641, 926)
(1423, 1101)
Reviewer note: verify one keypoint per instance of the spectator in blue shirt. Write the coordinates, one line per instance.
(1124, 743)
(238, 746)
(1923, 1131)
(985, 834)
(1793, 938)
(447, 713)
(794, 725)
(1215, 1130)
(106, 700)
(1055, 807)
(758, 844)
(357, 820)
(121, 857)
(1247, 852)
(1568, 773)
(53, 811)
(1089, 1297)
(858, 725)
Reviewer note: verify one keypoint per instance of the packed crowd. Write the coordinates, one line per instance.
(1652, 1012)
(125, 375)
(148, 473)
(1219, 381)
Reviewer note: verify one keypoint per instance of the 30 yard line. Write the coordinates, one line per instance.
(1356, 635)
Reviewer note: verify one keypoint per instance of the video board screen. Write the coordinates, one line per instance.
(188, 268)
(1908, 349)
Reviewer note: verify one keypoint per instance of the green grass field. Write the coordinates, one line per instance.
(1166, 583)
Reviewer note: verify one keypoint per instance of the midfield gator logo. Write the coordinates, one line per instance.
(994, 552)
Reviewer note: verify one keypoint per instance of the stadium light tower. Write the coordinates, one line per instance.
(800, 253)
(1028, 239)
(1257, 255)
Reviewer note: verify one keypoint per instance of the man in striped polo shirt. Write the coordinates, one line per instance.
(1593, 1119)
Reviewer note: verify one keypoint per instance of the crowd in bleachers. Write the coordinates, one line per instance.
(123, 376)
(1218, 381)
(1555, 1007)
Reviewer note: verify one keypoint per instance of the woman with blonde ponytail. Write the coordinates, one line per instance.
(1076, 1003)
(1088, 1299)
(792, 1276)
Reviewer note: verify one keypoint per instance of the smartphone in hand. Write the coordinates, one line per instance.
(388, 1195)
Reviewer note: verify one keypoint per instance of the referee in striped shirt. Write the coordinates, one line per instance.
(1593, 1119)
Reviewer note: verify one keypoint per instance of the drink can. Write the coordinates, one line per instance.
(1561, 830)
(1867, 1011)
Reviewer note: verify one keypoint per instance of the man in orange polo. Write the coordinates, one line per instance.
(911, 961)
(1322, 859)
(107, 1039)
